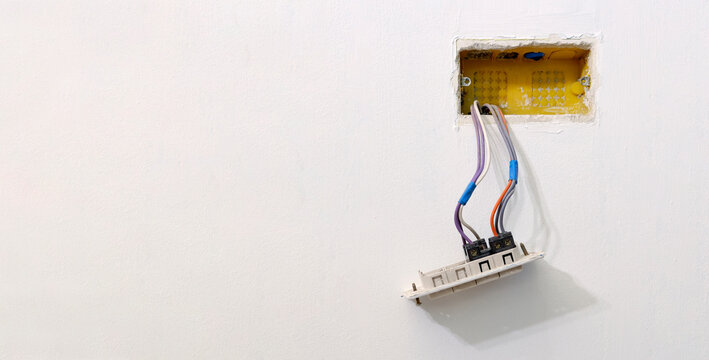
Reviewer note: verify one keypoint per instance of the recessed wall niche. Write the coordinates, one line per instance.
(535, 79)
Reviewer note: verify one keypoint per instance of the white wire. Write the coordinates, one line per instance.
(488, 155)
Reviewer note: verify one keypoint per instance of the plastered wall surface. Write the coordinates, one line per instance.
(255, 180)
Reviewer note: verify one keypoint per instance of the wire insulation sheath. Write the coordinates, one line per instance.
(494, 210)
(488, 155)
(498, 212)
(481, 147)
(460, 216)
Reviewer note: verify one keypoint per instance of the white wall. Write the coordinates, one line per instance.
(249, 180)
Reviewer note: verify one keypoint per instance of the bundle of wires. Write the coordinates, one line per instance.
(483, 164)
(498, 212)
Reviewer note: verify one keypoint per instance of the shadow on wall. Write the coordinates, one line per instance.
(543, 230)
(486, 312)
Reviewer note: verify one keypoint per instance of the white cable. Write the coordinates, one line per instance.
(488, 155)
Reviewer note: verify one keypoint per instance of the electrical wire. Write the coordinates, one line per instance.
(498, 211)
(483, 164)
(460, 216)
(494, 210)
(503, 206)
(476, 109)
(499, 222)
(476, 106)
(508, 195)
(456, 221)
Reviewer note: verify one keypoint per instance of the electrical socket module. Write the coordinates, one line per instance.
(469, 273)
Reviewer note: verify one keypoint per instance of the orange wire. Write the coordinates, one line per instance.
(503, 120)
(492, 216)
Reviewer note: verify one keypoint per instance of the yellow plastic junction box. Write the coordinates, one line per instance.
(526, 80)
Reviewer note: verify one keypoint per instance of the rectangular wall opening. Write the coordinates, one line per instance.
(526, 79)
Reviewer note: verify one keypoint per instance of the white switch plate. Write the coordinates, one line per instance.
(467, 274)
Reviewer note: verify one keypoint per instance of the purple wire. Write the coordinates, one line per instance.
(481, 144)
(481, 161)
(458, 225)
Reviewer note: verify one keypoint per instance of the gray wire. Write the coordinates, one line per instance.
(513, 152)
(508, 196)
(499, 217)
(503, 205)
(460, 217)
(503, 130)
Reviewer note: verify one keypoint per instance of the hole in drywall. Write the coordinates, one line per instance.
(546, 79)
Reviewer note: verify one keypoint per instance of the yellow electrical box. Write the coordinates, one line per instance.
(526, 80)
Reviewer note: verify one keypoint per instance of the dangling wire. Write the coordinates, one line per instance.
(483, 148)
(498, 211)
